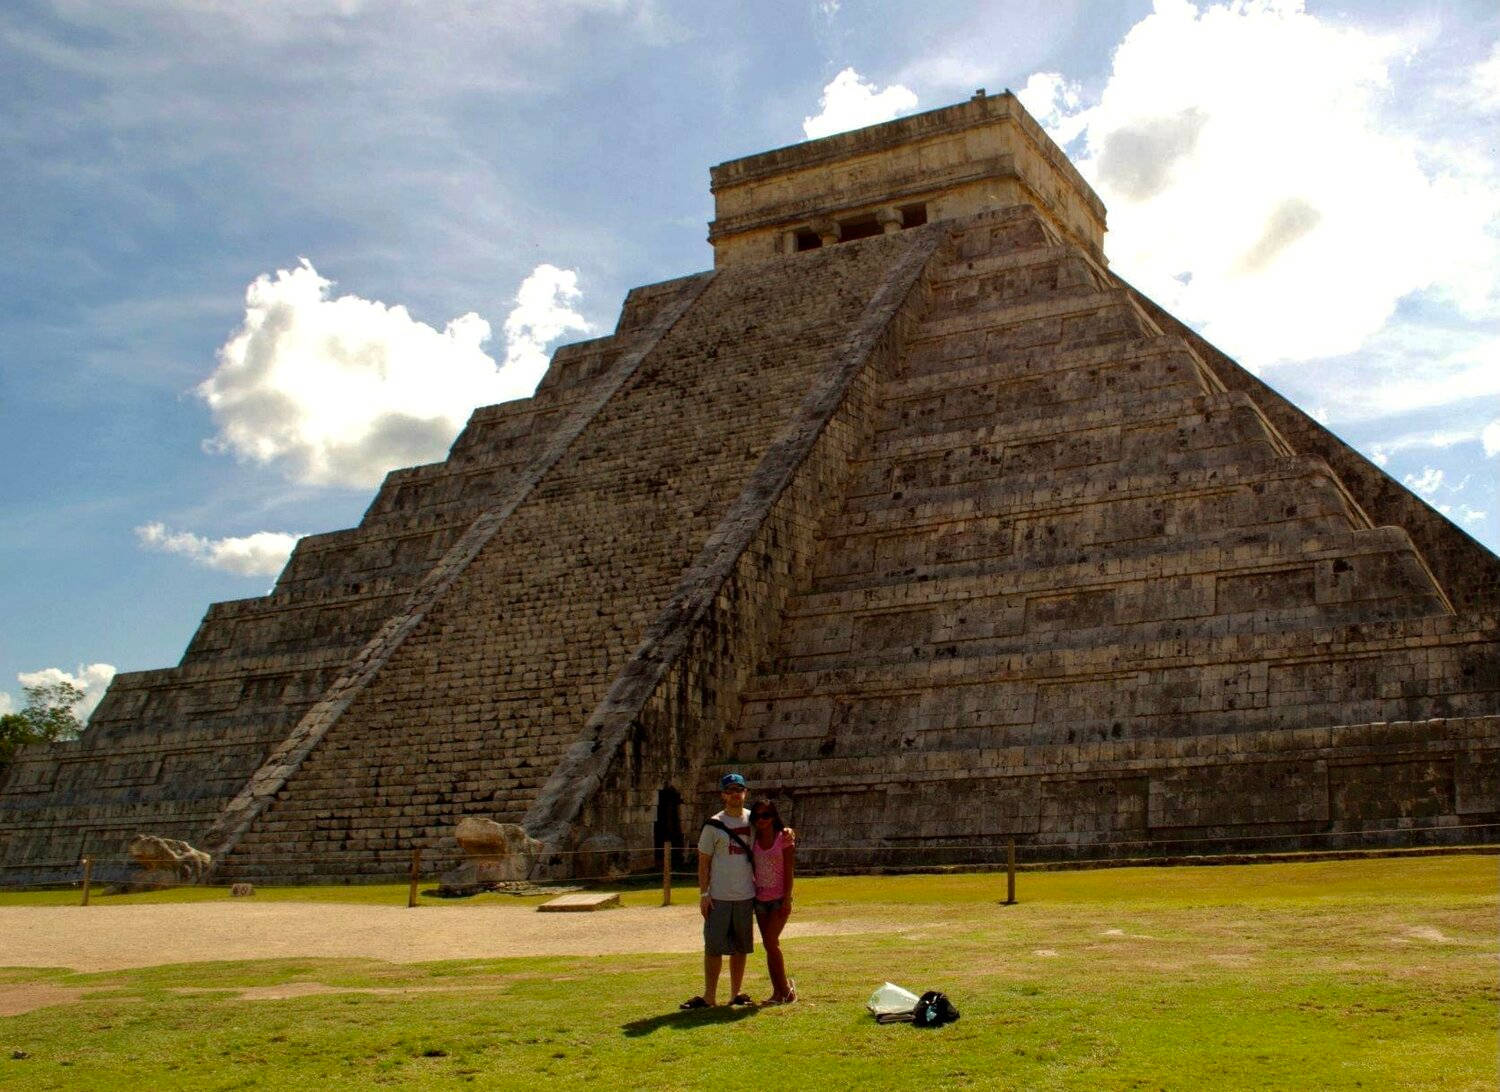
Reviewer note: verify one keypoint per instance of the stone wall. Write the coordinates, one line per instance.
(1078, 564)
(983, 154)
(1431, 782)
(1467, 572)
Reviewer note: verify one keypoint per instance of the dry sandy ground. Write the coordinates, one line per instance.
(102, 938)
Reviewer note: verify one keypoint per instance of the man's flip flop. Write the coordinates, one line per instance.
(694, 1003)
(741, 999)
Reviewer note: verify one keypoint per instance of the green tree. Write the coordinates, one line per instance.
(47, 718)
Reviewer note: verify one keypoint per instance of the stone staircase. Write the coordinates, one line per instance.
(471, 714)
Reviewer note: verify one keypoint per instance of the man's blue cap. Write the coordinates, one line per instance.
(731, 781)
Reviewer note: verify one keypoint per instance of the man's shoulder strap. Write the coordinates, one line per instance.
(733, 834)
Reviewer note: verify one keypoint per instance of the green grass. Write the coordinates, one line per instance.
(1371, 878)
(1374, 974)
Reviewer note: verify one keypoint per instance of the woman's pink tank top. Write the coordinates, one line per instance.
(770, 869)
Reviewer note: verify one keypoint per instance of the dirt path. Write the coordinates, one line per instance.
(102, 938)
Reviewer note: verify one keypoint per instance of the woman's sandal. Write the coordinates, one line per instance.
(741, 999)
(694, 1003)
(791, 992)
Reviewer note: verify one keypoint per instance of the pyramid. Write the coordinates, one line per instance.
(910, 509)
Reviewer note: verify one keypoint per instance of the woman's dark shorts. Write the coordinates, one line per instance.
(768, 906)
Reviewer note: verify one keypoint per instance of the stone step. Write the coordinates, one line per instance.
(988, 510)
(941, 327)
(448, 494)
(915, 637)
(903, 386)
(341, 559)
(1049, 488)
(1204, 651)
(1023, 335)
(1011, 279)
(1027, 494)
(1161, 419)
(990, 395)
(926, 483)
(1178, 558)
(1273, 510)
(1350, 742)
(1248, 683)
(583, 901)
(959, 271)
(1152, 595)
(1004, 231)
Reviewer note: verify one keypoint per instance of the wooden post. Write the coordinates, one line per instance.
(88, 872)
(416, 872)
(1010, 872)
(666, 873)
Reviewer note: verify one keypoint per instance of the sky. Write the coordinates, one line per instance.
(256, 255)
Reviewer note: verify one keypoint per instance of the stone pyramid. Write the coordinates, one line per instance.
(910, 509)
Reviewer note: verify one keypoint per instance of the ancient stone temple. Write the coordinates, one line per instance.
(909, 509)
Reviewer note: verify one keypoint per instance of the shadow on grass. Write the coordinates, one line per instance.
(687, 1018)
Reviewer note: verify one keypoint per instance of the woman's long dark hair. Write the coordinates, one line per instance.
(764, 804)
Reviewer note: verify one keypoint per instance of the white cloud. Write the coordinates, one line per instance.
(852, 103)
(1490, 437)
(1427, 483)
(7, 703)
(949, 70)
(92, 679)
(1382, 392)
(967, 46)
(1056, 103)
(1251, 170)
(542, 314)
(1409, 366)
(261, 554)
(337, 391)
(1412, 366)
(1482, 89)
(1471, 516)
(1442, 439)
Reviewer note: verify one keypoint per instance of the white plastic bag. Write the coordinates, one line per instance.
(890, 999)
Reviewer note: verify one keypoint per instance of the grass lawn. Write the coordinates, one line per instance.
(1376, 973)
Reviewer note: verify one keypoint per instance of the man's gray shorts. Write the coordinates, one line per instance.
(729, 928)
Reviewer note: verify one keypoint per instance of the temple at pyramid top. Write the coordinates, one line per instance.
(987, 153)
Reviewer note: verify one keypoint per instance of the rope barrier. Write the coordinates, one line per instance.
(418, 862)
(434, 860)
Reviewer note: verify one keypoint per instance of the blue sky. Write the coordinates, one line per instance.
(256, 254)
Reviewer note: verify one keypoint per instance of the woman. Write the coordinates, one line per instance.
(775, 855)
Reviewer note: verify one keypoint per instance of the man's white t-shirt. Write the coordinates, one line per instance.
(731, 877)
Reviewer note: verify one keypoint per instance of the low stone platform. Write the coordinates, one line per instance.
(581, 901)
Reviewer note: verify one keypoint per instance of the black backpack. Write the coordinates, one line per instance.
(932, 1010)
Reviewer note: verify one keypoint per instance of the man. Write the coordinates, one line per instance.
(726, 895)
